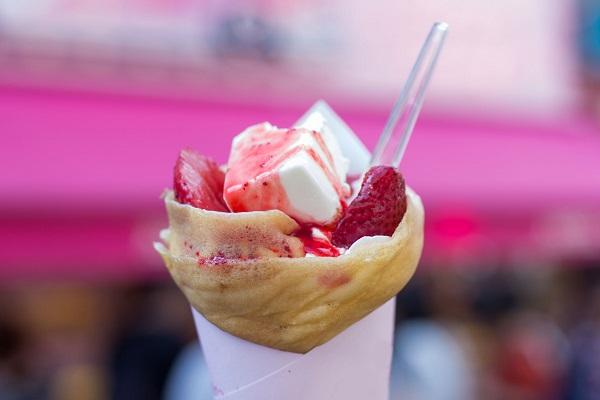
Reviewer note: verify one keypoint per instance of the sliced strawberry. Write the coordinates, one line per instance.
(377, 210)
(199, 181)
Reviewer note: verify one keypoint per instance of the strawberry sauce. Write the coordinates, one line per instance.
(320, 247)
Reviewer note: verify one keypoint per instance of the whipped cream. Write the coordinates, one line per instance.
(366, 241)
(300, 171)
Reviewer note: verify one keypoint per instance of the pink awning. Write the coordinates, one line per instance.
(82, 174)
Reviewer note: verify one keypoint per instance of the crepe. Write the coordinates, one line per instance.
(245, 273)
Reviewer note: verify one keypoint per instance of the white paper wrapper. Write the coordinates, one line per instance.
(353, 365)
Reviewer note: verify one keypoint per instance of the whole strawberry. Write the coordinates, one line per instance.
(377, 209)
(199, 181)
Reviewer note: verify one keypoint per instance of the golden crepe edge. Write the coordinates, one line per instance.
(291, 303)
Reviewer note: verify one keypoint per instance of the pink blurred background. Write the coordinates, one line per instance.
(97, 98)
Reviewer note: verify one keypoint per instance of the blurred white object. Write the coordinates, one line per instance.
(429, 364)
(189, 378)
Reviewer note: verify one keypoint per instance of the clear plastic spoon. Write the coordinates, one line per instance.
(403, 117)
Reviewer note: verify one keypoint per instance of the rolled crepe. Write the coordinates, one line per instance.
(246, 274)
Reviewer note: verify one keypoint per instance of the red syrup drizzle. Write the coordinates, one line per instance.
(315, 245)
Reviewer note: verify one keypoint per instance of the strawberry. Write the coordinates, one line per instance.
(377, 210)
(199, 181)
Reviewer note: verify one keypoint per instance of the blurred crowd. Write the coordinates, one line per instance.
(499, 334)
(491, 333)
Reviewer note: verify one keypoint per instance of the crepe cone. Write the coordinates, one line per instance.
(351, 360)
